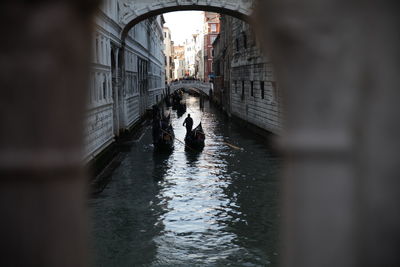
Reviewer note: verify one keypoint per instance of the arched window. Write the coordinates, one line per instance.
(101, 52)
(262, 86)
(236, 87)
(91, 85)
(104, 87)
(242, 96)
(97, 49)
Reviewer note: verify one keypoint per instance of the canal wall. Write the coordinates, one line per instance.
(102, 166)
(245, 85)
(127, 79)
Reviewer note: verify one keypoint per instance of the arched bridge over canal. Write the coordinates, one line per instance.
(198, 86)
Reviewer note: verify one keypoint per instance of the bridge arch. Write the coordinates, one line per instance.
(198, 86)
(134, 11)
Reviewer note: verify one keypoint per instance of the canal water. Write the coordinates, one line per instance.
(218, 207)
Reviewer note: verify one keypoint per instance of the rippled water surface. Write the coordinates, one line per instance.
(214, 208)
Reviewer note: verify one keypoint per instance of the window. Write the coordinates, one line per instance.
(213, 27)
(213, 39)
(102, 51)
(262, 86)
(104, 96)
(245, 40)
(237, 44)
(252, 88)
(236, 87)
(242, 90)
(97, 50)
(92, 87)
(275, 90)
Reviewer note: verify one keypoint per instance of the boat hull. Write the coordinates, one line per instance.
(194, 144)
(165, 143)
(196, 139)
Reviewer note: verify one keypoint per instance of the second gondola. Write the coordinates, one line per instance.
(163, 134)
(196, 138)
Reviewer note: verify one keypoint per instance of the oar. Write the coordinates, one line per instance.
(226, 143)
(232, 146)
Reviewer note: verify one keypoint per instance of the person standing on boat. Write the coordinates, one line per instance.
(189, 124)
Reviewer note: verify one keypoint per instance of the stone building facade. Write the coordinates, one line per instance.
(245, 84)
(211, 31)
(179, 62)
(169, 53)
(122, 88)
(193, 52)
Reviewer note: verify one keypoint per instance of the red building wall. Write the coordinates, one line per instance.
(212, 26)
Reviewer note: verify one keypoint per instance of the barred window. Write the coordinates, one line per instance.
(262, 86)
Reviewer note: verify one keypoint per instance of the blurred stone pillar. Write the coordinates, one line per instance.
(338, 64)
(44, 56)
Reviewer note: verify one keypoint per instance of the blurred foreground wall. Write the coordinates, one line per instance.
(338, 64)
(43, 82)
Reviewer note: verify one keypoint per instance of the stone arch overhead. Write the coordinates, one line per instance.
(134, 11)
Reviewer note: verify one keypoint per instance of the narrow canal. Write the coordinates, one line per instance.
(214, 208)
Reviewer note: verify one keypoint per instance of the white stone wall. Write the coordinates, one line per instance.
(99, 119)
(168, 52)
(254, 95)
(99, 130)
(180, 67)
(121, 101)
(190, 56)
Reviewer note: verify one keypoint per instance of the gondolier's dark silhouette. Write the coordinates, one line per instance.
(189, 124)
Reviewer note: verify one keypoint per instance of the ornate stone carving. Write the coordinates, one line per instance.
(126, 11)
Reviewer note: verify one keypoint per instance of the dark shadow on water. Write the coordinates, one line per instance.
(128, 213)
(161, 163)
(192, 156)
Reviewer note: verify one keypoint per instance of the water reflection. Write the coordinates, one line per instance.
(160, 164)
(210, 208)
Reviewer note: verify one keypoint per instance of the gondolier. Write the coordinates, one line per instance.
(189, 124)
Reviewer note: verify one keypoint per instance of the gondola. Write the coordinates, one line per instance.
(163, 134)
(196, 138)
(176, 99)
(168, 101)
(181, 109)
(175, 103)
